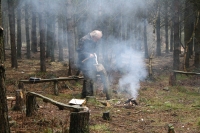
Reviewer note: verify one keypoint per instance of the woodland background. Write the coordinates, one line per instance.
(49, 30)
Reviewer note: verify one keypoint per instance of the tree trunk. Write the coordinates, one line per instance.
(42, 42)
(176, 60)
(158, 48)
(28, 47)
(188, 31)
(49, 35)
(172, 37)
(19, 37)
(53, 44)
(145, 39)
(19, 100)
(33, 32)
(31, 105)
(166, 27)
(60, 38)
(70, 35)
(5, 25)
(197, 44)
(12, 33)
(4, 122)
(79, 122)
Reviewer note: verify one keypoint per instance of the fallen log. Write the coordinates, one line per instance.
(172, 77)
(31, 103)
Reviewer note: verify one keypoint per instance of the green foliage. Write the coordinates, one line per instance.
(100, 128)
(47, 130)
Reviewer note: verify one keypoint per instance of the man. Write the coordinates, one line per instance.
(88, 61)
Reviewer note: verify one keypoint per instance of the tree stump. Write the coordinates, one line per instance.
(19, 100)
(31, 105)
(79, 122)
(106, 115)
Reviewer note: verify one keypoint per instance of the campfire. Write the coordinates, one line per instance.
(130, 102)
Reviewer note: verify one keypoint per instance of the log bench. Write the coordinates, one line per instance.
(79, 117)
(172, 80)
(54, 80)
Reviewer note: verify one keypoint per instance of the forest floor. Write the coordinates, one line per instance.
(159, 104)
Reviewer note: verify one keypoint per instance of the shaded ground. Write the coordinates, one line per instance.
(159, 103)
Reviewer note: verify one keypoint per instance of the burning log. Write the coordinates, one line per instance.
(131, 101)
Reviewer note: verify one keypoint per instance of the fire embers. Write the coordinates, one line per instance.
(130, 102)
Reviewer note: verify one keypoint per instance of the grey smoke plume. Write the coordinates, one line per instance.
(130, 63)
(127, 60)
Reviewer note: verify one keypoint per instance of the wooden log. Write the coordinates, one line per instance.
(106, 115)
(31, 105)
(79, 122)
(55, 80)
(19, 100)
(187, 73)
(61, 106)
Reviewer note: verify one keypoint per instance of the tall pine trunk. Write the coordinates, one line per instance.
(60, 38)
(188, 31)
(19, 37)
(176, 60)
(145, 39)
(197, 44)
(166, 27)
(71, 36)
(28, 47)
(42, 41)
(33, 32)
(4, 122)
(158, 48)
(12, 34)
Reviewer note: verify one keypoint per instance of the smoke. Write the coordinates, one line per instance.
(129, 63)
(123, 41)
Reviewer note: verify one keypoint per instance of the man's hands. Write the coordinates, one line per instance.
(91, 55)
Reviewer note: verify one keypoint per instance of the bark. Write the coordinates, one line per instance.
(31, 105)
(79, 122)
(19, 38)
(5, 25)
(42, 43)
(12, 34)
(4, 122)
(188, 33)
(71, 36)
(197, 43)
(27, 31)
(176, 60)
(145, 39)
(49, 35)
(19, 100)
(158, 48)
(53, 45)
(33, 33)
(60, 38)
(166, 27)
(172, 37)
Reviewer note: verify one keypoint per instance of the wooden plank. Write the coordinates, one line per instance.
(75, 108)
(189, 73)
(50, 80)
